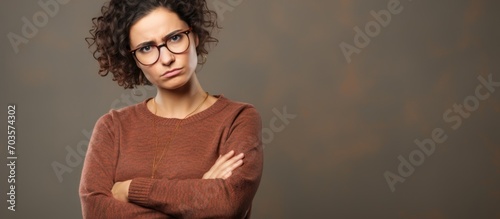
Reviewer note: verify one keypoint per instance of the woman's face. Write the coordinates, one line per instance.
(171, 71)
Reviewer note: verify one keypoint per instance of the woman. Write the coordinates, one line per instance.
(183, 153)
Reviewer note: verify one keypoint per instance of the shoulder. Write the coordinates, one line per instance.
(237, 112)
(239, 107)
(128, 113)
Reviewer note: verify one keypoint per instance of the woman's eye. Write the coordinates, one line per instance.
(176, 38)
(145, 49)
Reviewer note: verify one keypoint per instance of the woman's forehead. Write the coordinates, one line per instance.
(155, 25)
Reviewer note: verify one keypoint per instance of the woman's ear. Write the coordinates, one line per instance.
(196, 40)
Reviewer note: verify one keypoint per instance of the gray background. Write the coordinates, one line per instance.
(353, 119)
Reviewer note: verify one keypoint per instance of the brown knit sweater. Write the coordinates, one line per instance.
(123, 146)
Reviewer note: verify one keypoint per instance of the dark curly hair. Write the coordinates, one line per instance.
(110, 34)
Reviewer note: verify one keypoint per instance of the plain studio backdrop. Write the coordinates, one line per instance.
(370, 109)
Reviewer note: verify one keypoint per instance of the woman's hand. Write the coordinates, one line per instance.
(120, 190)
(222, 169)
(224, 166)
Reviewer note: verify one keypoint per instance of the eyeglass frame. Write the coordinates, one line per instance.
(164, 44)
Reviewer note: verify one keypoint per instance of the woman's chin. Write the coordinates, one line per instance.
(174, 85)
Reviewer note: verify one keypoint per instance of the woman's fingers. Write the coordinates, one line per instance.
(223, 158)
(228, 170)
(226, 161)
(225, 169)
(224, 166)
(232, 163)
(227, 175)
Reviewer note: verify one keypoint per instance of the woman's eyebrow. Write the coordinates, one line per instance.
(148, 43)
(151, 42)
(170, 34)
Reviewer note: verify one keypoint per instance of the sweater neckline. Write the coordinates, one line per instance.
(219, 104)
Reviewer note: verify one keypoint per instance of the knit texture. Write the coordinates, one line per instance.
(123, 146)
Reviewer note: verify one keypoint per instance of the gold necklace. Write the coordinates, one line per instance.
(156, 161)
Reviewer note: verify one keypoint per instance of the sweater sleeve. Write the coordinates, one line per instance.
(211, 198)
(98, 178)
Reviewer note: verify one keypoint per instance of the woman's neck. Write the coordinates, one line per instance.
(180, 102)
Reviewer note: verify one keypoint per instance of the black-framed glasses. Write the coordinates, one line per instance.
(148, 53)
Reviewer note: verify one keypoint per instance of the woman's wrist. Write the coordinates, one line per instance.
(120, 190)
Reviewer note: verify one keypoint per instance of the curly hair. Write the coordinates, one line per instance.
(110, 34)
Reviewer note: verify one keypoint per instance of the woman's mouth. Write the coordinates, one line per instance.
(171, 73)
